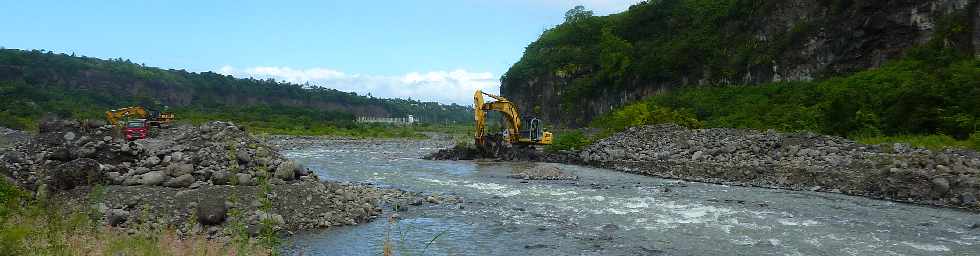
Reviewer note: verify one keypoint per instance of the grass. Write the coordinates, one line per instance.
(932, 142)
(30, 226)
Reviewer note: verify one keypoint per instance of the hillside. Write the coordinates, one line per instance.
(590, 65)
(38, 83)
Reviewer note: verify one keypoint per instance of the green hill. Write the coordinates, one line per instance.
(902, 70)
(37, 83)
(589, 65)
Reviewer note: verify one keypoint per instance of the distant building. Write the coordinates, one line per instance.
(387, 120)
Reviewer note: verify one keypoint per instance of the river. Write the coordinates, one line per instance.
(607, 212)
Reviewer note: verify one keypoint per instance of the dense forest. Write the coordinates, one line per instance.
(588, 65)
(877, 77)
(36, 83)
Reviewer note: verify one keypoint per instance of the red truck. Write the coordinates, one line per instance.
(136, 129)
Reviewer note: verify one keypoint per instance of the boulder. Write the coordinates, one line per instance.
(87, 151)
(181, 181)
(78, 172)
(59, 154)
(940, 185)
(287, 170)
(176, 170)
(151, 161)
(211, 211)
(243, 157)
(69, 136)
(115, 217)
(244, 179)
(220, 177)
(152, 178)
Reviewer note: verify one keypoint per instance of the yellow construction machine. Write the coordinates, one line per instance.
(153, 117)
(513, 133)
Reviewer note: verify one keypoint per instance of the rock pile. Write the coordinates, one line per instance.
(195, 179)
(68, 153)
(542, 171)
(800, 161)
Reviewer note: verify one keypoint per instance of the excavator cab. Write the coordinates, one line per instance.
(535, 133)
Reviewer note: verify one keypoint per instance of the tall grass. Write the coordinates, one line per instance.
(30, 226)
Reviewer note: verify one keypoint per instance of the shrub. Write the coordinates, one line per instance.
(569, 140)
(975, 140)
(644, 113)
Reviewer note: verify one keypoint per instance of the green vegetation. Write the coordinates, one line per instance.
(931, 98)
(652, 42)
(642, 113)
(34, 84)
(668, 44)
(934, 142)
(30, 226)
(571, 140)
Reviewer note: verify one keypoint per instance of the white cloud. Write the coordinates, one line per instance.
(455, 86)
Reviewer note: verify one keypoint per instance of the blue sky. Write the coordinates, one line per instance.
(428, 50)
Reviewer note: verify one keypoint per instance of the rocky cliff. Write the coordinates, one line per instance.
(590, 65)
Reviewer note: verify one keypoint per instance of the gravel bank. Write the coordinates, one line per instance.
(950, 178)
(206, 178)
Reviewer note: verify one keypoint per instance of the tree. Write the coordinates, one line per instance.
(577, 13)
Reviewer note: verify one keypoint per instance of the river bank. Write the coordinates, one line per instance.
(214, 180)
(583, 210)
(795, 161)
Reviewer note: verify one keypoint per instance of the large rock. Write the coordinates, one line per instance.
(243, 179)
(151, 161)
(211, 211)
(59, 154)
(182, 181)
(153, 178)
(220, 177)
(78, 172)
(176, 170)
(940, 186)
(287, 170)
(115, 217)
(243, 157)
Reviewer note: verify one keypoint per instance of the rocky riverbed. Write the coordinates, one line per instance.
(796, 161)
(191, 178)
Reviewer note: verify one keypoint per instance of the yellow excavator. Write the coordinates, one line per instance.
(153, 117)
(513, 134)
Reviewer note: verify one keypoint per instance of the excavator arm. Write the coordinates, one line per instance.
(116, 115)
(505, 107)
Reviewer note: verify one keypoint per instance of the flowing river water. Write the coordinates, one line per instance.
(607, 212)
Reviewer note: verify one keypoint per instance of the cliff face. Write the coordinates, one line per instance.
(747, 42)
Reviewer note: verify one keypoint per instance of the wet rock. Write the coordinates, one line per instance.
(968, 199)
(542, 172)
